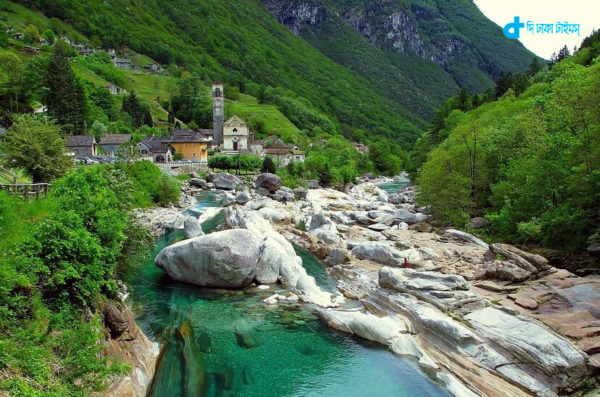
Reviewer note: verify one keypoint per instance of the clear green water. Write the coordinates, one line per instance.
(392, 186)
(230, 344)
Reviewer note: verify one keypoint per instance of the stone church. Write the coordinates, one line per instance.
(233, 135)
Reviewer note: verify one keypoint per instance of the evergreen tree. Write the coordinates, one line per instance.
(463, 99)
(520, 84)
(140, 113)
(534, 67)
(563, 53)
(65, 98)
(268, 165)
(504, 83)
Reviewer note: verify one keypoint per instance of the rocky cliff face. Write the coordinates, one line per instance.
(441, 32)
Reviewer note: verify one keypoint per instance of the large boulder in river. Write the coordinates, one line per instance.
(225, 181)
(242, 198)
(300, 193)
(226, 259)
(268, 181)
(197, 182)
(192, 227)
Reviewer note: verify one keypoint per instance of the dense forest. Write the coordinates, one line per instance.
(528, 161)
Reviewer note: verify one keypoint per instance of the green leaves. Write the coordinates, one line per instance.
(35, 145)
(537, 161)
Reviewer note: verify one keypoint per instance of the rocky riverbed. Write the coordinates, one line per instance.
(482, 320)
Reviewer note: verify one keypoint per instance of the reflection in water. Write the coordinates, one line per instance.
(223, 343)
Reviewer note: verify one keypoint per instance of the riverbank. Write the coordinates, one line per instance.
(481, 320)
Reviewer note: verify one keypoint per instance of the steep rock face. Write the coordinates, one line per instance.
(454, 35)
(294, 15)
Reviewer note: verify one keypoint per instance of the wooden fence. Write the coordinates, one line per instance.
(8, 176)
(28, 190)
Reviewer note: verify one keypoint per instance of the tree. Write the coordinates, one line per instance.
(140, 113)
(36, 146)
(463, 99)
(49, 36)
(129, 152)
(520, 84)
(13, 67)
(534, 67)
(31, 34)
(268, 165)
(504, 82)
(65, 97)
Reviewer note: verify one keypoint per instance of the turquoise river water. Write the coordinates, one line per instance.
(227, 343)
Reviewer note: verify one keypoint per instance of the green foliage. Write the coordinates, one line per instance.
(192, 103)
(58, 256)
(139, 112)
(36, 146)
(65, 97)
(31, 34)
(168, 190)
(268, 165)
(49, 36)
(240, 162)
(531, 163)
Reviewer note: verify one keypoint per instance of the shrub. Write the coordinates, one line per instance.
(268, 165)
(168, 190)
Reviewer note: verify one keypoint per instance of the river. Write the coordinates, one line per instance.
(226, 342)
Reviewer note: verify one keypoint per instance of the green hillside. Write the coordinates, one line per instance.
(239, 42)
(529, 162)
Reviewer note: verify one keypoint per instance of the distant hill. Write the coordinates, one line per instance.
(379, 67)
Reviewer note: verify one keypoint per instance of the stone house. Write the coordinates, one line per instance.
(110, 143)
(235, 135)
(154, 68)
(81, 146)
(282, 152)
(113, 89)
(122, 63)
(190, 145)
(156, 149)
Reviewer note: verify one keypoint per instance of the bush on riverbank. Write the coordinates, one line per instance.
(529, 163)
(60, 259)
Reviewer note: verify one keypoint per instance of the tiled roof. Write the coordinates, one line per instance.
(80, 140)
(157, 144)
(185, 136)
(114, 139)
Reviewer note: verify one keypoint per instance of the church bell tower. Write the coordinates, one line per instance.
(218, 115)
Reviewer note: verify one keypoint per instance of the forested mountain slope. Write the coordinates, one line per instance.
(346, 67)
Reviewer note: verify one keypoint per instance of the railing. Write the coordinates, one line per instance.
(8, 176)
(36, 190)
(181, 167)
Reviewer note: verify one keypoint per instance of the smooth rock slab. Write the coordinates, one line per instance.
(409, 279)
(226, 259)
(530, 342)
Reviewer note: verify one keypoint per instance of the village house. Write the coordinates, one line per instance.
(112, 53)
(113, 89)
(235, 135)
(256, 146)
(31, 50)
(111, 143)
(360, 147)
(156, 149)
(282, 152)
(122, 63)
(154, 68)
(189, 145)
(81, 146)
